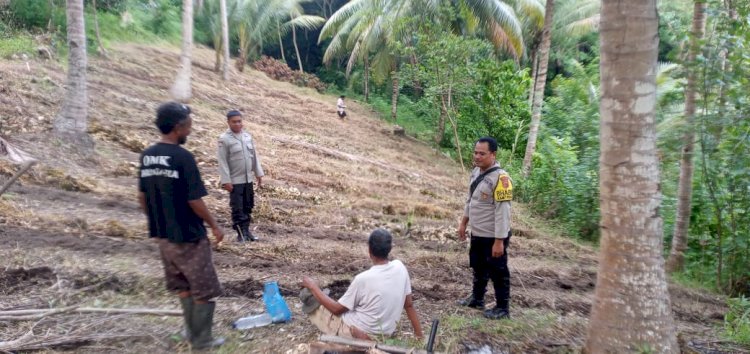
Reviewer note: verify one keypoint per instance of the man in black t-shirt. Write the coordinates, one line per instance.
(170, 191)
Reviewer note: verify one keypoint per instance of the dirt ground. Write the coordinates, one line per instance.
(71, 232)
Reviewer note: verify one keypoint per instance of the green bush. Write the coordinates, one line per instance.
(112, 6)
(737, 320)
(163, 18)
(31, 14)
(16, 44)
(112, 28)
(563, 187)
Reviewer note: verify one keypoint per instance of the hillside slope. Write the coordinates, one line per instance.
(72, 233)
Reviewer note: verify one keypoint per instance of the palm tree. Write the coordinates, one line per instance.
(72, 120)
(676, 260)
(101, 49)
(224, 38)
(298, 20)
(631, 310)
(256, 21)
(212, 15)
(181, 90)
(364, 29)
(540, 80)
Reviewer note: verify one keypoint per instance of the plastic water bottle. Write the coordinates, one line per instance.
(264, 319)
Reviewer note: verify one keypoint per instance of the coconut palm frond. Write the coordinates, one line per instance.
(381, 65)
(339, 17)
(533, 11)
(353, 58)
(584, 26)
(308, 22)
(513, 45)
(571, 11)
(494, 15)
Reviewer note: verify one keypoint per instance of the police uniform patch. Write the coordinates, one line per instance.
(504, 189)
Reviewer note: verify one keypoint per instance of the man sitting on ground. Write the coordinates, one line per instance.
(372, 304)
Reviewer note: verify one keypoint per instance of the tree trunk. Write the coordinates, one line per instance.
(296, 49)
(72, 120)
(224, 39)
(534, 67)
(417, 86)
(454, 125)
(102, 51)
(631, 311)
(394, 97)
(440, 134)
(244, 43)
(217, 54)
(367, 78)
(676, 260)
(281, 43)
(181, 90)
(539, 83)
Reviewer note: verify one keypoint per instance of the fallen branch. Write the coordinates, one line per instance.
(27, 342)
(15, 342)
(26, 166)
(359, 343)
(25, 315)
(35, 315)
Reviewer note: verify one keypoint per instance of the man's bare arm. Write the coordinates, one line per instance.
(330, 304)
(413, 318)
(200, 209)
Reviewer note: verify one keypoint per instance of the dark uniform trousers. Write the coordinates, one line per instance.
(241, 200)
(487, 267)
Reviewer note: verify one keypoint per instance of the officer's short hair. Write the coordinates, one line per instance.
(490, 141)
(233, 113)
(380, 242)
(171, 114)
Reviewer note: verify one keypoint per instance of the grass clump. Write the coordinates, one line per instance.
(737, 320)
(16, 44)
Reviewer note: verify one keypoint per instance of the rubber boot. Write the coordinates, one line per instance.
(249, 235)
(497, 313)
(187, 313)
(472, 302)
(202, 323)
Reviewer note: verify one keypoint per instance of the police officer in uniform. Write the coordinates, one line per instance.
(487, 214)
(239, 163)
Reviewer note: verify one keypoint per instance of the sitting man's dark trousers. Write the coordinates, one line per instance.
(486, 267)
(242, 201)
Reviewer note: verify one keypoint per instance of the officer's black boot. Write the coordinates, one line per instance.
(478, 288)
(202, 323)
(249, 235)
(472, 302)
(501, 283)
(497, 313)
(240, 234)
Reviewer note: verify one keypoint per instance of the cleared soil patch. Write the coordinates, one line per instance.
(71, 232)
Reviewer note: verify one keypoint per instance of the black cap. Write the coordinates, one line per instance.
(233, 113)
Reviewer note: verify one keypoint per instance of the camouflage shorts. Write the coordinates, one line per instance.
(189, 267)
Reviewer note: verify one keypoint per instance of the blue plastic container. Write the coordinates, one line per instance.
(275, 304)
